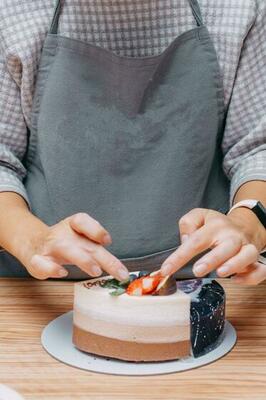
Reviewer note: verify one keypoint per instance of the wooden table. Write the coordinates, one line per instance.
(26, 306)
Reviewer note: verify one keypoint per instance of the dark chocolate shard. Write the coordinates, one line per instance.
(132, 277)
(166, 287)
(143, 273)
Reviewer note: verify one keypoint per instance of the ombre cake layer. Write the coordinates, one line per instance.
(133, 333)
(147, 327)
(132, 318)
(129, 350)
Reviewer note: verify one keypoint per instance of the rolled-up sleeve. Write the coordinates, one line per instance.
(13, 130)
(244, 142)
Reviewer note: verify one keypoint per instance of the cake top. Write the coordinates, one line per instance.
(140, 283)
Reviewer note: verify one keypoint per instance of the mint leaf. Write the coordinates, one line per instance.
(118, 292)
(110, 284)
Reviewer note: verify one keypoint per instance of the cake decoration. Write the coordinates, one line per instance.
(140, 284)
(148, 317)
(190, 285)
(207, 314)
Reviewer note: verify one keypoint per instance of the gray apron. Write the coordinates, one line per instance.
(133, 142)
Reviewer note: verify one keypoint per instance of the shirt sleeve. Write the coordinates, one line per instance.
(244, 142)
(13, 130)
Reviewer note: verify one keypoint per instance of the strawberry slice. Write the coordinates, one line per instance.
(143, 285)
(150, 283)
(135, 287)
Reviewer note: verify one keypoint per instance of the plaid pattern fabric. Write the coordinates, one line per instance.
(138, 28)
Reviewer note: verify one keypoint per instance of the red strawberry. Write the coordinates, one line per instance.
(135, 288)
(143, 285)
(150, 283)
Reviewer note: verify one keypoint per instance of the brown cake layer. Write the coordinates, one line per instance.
(129, 351)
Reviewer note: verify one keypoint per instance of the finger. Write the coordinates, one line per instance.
(84, 224)
(191, 221)
(42, 268)
(197, 242)
(110, 263)
(237, 264)
(216, 257)
(254, 276)
(80, 257)
(247, 269)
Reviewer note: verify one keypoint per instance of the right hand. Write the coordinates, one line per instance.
(77, 240)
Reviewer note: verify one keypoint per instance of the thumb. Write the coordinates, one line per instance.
(191, 221)
(42, 267)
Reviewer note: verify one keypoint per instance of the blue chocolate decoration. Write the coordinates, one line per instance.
(207, 316)
(189, 285)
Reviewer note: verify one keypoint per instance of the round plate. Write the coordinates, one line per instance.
(57, 341)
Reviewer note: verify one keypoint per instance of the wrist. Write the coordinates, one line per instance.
(27, 238)
(250, 226)
(20, 230)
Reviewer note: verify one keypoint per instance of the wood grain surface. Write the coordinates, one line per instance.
(26, 306)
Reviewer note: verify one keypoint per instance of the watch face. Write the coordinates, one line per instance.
(260, 211)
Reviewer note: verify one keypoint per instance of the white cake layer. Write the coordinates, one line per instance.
(147, 311)
(140, 334)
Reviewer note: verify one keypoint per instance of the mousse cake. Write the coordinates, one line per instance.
(148, 318)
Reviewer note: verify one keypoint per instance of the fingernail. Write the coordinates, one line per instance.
(107, 239)
(200, 269)
(62, 272)
(123, 274)
(223, 270)
(184, 238)
(166, 269)
(96, 270)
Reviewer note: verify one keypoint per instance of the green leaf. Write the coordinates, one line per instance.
(110, 284)
(124, 284)
(118, 292)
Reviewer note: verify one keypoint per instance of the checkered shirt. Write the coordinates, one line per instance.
(138, 28)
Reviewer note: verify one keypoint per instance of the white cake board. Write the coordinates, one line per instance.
(57, 341)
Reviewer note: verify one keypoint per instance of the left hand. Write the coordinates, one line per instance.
(235, 242)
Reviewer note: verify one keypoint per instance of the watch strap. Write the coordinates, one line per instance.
(262, 257)
(260, 212)
(254, 205)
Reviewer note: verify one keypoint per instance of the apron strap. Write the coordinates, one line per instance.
(54, 25)
(196, 11)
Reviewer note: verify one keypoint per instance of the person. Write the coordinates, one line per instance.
(120, 119)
